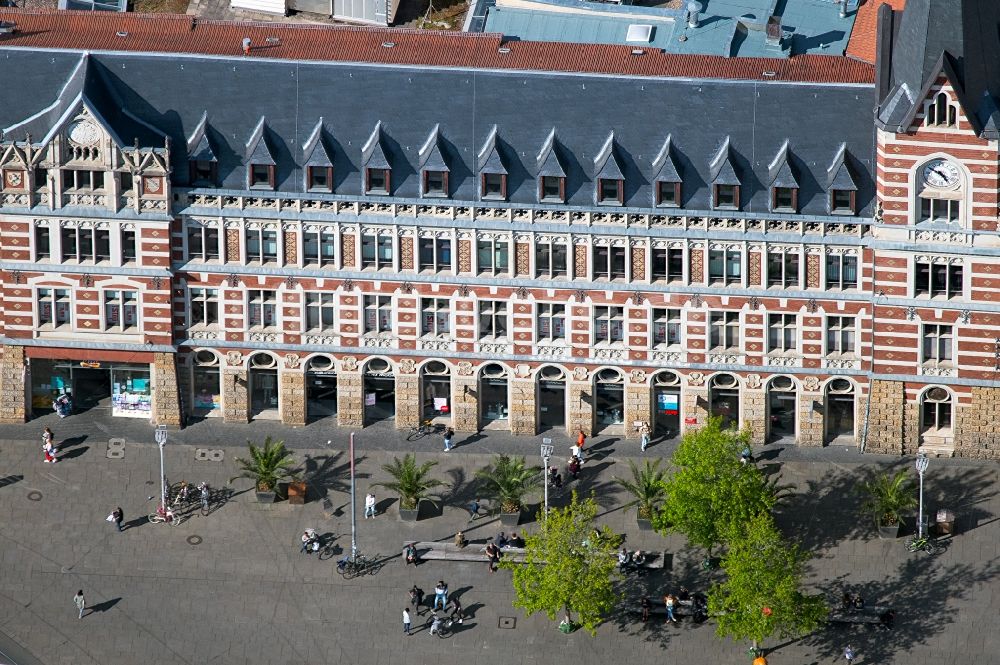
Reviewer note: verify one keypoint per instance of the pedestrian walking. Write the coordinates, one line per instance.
(644, 435)
(574, 467)
(416, 598)
(118, 516)
(49, 452)
(48, 437)
(456, 610)
(473, 509)
(370, 505)
(581, 439)
(440, 595)
(492, 555)
(449, 434)
(849, 654)
(669, 601)
(406, 621)
(81, 602)
(644, 604)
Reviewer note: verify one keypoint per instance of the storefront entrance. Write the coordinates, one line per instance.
(667, 404)
(263, 386)
(435, 390)
(551, 399)
(609, 402)
(124, 389)
(781, 408)
(379, 391)
(493, 396)
(839, 419)
(724, 400)
(321, 388)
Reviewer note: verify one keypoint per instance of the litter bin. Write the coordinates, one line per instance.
(945, 522)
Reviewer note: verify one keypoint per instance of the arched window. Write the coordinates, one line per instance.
(941, 112)
(936, 407)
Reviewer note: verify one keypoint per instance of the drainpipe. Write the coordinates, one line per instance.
(871, 364)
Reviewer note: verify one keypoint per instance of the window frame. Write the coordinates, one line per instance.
(42, 229)
(493, 311)
(548, 250)
(668, 261)
(319, 304)
(928, 204)
(940, 339)
(850, 208)
(727, 277)
(377, 246)
(493, 248)
(440, 184)
(311, 180)
(438, 246)
(261, 257)
(205, 234)
(550, 323)
(560, 182)
(783, 281)
(670, 319)
(612, 317)
(265, 301)
(386, 177)
(725, 326)
(604, 193)
(616, 255)
(778, 202)
(927, 284)
(787, 325)
(325, 238)
(732, 191)
(260, 176)
(208, 298)
(840, 260)
(841, 331)
(486, 187)
(60, 301)
(377, 311)
(125, 300)
(432, 325)
(198, 174)
(661, 201)
(81, 236)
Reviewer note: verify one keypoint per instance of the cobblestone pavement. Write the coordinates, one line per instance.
(232, 587)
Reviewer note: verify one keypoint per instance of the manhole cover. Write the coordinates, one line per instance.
(507, 622)
(194, 540)
(34, 495)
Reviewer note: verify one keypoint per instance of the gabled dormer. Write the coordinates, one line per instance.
(783, 183)
(551, 173)
(841, 184)
(724, 179)
(492, 169)
(433, 166)
(375, 163)
(667, 178)
(203, 164)
(609, 177)
(259, 159)
(317, 162)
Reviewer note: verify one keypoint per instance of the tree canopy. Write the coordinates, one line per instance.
(569, 566)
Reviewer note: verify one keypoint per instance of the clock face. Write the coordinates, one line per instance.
(942, 174)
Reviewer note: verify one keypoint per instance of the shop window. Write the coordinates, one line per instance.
(609, 325)
(435, 317)
(376, 251)
(435, 254)
(262, 308)
(319, 248)
(609, 262)
(54, 309)
(783, 269)
(378, 314)
(121, 311)
(551, 322)
(204, 307)
(938, 280)
(668, 264)
(724, 331)
(261, 245)
(666, 328)
(202, 243)
(493, 257)
(841, 271)
(321, 311)
(206, 382)
(493, 322)
(550, 259)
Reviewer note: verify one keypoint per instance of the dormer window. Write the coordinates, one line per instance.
(83, 180)
(842, 201)
(320, 178)
(784, 199)
(668, 194)
(726, 197)
(495, 186)
(610, 191)
(435, 183)
(552, 189)
(202, 172)
(261, 176)
(941, 113)
(377, 181)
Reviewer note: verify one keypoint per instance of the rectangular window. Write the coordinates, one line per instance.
(938, 280)
(261, 308)
(261, 245)
(127, 181)
(609, 262)
(783, 269)
(727, 196)
(121, 310)
(493, 319)
(82, 180)
(43, 243)
(551, 188)
(261, 176)
(320, 178)
(609, 325)
(54, 308)
(609, 191)
(840, 335)
(202, 172)
(666, 327)
(202, 243)
(86, 244)
(204, 307)
(378, 314)
(724, 331)
(41, 178)
(376, 181)
(550, 259)
(435, 254)
(784, 199)
(842, 201)
(668, 264)
(435, 183)
(320, 311)
(494, 186)
(841, 271)
(319, 248)
(551, 322)
(128, 246)
(435, 316)
(668, 194)
(782, 333)
(939, 210)
(376, 251)
(493, 257)
(725, 266)
(937, 345)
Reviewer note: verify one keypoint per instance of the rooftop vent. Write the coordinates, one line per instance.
(388, 44)
(772, 34)
(639, 33)
(7, 27)
(121, 33)
(503, 49)
(694, 11)
(769, 74)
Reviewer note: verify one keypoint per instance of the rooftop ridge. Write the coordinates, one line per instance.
(179, 34)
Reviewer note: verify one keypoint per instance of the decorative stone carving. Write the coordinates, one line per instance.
(666, 356)
(465, 368)
(522, 371)
(753, 381)
(637, 376)
(810, 384)
(349, 364)
(292, 361)
(609, 354)
(696, 379)
(407, 366)
(234, 280)
(580, 373)
(552, 351)
(234, 359)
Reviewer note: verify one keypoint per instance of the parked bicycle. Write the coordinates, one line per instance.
(359, 564)
(925, 544)
(165, 516)
(423, 429)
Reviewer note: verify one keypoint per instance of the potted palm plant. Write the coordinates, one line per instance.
(267, 465)
(886, 498)
(508, 480)
(647, 488)
(411, 483)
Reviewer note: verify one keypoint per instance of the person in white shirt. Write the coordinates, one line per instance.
(370, 505)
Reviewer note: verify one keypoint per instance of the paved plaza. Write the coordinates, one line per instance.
(233, 588)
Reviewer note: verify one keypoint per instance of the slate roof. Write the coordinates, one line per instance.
(385, 114)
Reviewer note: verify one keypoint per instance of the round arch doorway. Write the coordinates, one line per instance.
(666, 404)
(263, 379)
(839, 420)
(724, 399)
(551, 398)
(379, 387)
(321, 388)
(609, 402)
(494, 396)
(435, 390)
(782, 402)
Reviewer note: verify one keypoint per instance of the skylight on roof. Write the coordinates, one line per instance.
(639, 34)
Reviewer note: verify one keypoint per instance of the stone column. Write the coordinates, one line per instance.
(235, 395)
(694, 401)
(638, 403)
(581, 403)
(523, 409)
(811, 420)
(166, 398)
(885, 417)
(15, 382)
(977, 426)
(292, 396)
(753, 405)
(407, 400)
(465, 399)
(350, 396)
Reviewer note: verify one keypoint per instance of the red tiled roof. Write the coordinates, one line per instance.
(862, 42)
(160, 33)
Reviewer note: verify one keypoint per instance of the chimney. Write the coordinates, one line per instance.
(843, 8)
(246, 46)
(694, 9)
(7, 27)
(772, 31)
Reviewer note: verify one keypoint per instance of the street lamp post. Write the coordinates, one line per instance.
(922, 462)
(547, 449)
(161, 440)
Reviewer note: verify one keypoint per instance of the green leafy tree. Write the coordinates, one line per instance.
(267, 465)
(410, 481)
(710, 489)
(508, 480)
(762, 593)
(569, 567)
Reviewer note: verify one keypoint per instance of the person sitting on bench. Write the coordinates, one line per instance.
(410, 554)
(516, 540)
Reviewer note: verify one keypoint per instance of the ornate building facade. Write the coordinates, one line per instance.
(381, 231)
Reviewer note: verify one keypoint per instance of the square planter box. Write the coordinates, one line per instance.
(297, 493)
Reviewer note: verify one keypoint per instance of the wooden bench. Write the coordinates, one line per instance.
(653, 560)
(864, 615)
(682, 608)
(442, 551)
